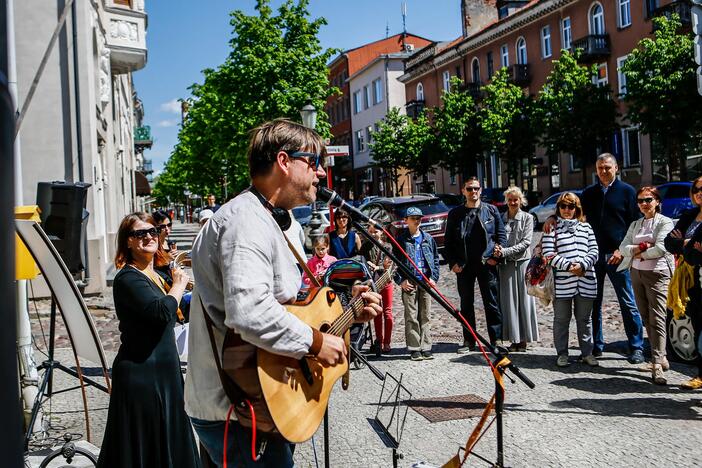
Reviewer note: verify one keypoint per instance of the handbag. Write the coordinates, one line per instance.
(539, 277)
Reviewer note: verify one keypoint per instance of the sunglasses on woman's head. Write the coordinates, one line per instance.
(566, 206)
(644, 200)
(142, 233)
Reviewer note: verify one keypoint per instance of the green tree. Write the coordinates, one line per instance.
(389, 143)
(275, 65)
(506, 122)
(576, 116)
(420, 145)
(457, 127)
(661, 93)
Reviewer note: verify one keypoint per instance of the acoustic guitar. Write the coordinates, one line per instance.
(296, 405)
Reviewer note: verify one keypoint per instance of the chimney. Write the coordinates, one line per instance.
(476, 14)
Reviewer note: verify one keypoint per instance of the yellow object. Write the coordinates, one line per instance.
(682, 280)
(25, 268)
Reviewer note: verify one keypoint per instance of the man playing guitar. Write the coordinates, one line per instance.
(244, 272)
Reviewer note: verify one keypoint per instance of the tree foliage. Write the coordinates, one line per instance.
(388, 146)
(506, 122)
(576, 115)
(457, 128)
(661, 92)
(275, 65)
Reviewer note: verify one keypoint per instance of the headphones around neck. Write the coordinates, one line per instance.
(280, 215)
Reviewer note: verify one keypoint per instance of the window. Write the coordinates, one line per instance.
(504, 56)
(575, 163)
(546, 41)
(566, 37)
(624, 13)
(601, 78)
(366, 97)
(490, 65)
(360, 141)
(452, 179)
(521, 51)
(475, 67)
(597, 24)
(369, 133)
(420, 92)
(621, 77)
(447, 80)
(377, 92)
(356, 102)
(630, 147)
(651, 7)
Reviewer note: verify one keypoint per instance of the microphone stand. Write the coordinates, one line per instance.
(498, 352)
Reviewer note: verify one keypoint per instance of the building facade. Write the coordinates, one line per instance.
(80, 123)
(526, 38)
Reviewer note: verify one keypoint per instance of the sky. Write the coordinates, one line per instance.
(185, 37)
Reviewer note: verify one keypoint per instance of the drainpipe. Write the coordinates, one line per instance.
(29, 376)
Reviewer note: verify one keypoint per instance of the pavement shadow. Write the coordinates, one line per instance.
(637, 407)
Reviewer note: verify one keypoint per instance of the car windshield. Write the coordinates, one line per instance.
(494, 194)
(302, 212)
(674, 191)
(428, 208)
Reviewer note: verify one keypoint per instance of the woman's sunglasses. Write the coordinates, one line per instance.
(694, 189)
(142, 233)
(641, 201)
(566, 206)
(162, 227)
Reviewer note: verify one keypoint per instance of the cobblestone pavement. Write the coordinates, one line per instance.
(577, 417)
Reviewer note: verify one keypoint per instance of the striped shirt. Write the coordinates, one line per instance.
(574, 242)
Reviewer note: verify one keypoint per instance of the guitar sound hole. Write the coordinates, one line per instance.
(324, 328)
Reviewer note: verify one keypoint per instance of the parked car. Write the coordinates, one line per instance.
(302, 214)
(451, 200)
(391, 211)
(547, 208)
(495, 196)
(675, 198)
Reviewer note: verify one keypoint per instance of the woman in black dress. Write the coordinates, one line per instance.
(146, 423)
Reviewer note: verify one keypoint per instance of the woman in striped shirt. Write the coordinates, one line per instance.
(572, 250)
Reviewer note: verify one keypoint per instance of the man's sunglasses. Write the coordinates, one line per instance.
(694, 189)
(142, 233)
(566, 206)
(472, 189)
(641, 201)
(313, 160)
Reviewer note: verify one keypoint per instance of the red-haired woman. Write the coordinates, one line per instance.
(146, 422)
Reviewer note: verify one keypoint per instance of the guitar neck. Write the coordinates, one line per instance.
(346, 319)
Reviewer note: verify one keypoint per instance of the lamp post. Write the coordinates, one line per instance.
(308, 113)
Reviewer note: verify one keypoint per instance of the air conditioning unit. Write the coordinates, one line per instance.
(409, 47)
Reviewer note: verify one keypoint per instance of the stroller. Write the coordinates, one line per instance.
(341, 276)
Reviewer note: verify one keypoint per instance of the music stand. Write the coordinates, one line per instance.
(81, 330)
(391, 413)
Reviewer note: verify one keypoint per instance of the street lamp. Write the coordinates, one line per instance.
(309, 115)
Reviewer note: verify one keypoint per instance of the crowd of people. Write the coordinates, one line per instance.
(246, 272)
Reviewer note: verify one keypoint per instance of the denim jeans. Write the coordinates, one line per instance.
(278, 453)
(487, 282)
(621, 281)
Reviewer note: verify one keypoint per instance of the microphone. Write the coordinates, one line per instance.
(332, 198)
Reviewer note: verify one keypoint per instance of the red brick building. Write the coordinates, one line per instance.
(339, 106)
(526, 38)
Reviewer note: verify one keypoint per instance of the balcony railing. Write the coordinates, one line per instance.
(520, 75)
(593, 47)
(474, 89)
(125, 26)
(142, 137)
(147, 167)
(415, 108)
(681, 7)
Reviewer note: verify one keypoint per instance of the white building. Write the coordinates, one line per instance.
(374, 90)
(80, 123)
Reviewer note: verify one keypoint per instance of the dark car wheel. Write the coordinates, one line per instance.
(680, 340)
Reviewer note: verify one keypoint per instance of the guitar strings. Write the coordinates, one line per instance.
(345, 320)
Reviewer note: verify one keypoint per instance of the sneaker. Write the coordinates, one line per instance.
(466, 348)
(591, 361)
(416, 356)
(387, 349)
(597, 352)
(636, 357)
(657, 375)
(562, 361)
(427, 355)
(694, 383)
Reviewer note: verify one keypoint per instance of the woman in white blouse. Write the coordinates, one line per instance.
(651, 269)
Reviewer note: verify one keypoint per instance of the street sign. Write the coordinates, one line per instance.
(342, 150)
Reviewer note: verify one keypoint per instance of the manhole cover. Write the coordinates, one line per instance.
(449, 407)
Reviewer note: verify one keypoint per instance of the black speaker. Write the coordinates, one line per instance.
(64, 219)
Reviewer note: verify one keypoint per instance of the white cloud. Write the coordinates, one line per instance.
(172, 106)
(167, 123)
